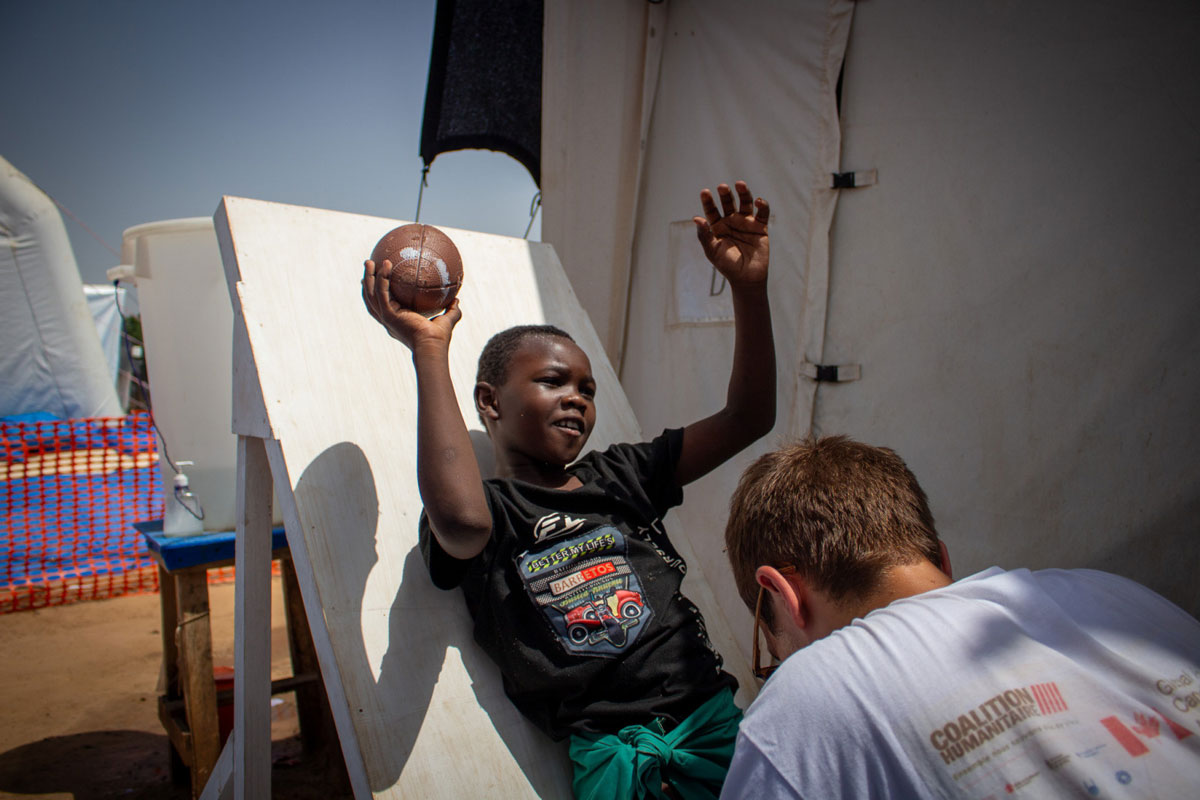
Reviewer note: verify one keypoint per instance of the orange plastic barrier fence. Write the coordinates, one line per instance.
(70, 492)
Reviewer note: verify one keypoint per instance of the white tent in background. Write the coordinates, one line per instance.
(1018, 287)
(107, 304)
(50, 355)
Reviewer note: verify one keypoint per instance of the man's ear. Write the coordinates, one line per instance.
(485, 400)
(789, 590)
(945, 565)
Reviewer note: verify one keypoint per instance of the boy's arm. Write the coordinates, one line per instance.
(447, 472)
(736, 243)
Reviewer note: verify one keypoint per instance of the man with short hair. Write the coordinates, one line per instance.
(898, 682)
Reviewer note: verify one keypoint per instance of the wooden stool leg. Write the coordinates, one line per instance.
(176, 768)
(170, 621)
(317, 729)
(194, 645)
(316, 721)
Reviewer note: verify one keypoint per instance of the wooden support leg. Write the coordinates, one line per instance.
(170, 619)
(252, 624)
(311, 705)
(177, 769)
(317, 729)
(193, 640)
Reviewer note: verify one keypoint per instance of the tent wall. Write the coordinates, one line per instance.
(1019, 287)
(594, 68)
(50, 356)
(712, 102)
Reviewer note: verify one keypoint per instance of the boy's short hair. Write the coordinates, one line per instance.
(839, 511)
(498, 352)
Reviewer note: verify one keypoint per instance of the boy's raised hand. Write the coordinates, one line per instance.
(408, 326)
(735, 241)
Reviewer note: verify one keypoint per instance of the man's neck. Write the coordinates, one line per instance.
(905, 580)
(822, 615)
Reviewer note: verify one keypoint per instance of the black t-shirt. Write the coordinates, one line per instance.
(576, 597)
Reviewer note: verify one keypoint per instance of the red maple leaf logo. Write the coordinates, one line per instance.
(1146, 726)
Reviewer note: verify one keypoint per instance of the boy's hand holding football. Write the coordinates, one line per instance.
(410, 327)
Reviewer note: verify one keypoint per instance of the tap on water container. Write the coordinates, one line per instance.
(184, 516)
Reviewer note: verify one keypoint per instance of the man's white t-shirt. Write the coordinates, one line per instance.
(1057, 683)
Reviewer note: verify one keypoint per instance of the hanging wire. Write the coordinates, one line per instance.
(93, 234)
(534, 205)
(76, 219)
(183, 494)
(145, 385)
(125, 338)
(421, 191)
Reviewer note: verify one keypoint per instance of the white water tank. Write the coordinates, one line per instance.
(187, 324)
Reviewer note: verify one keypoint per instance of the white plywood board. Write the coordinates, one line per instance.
(422, 707)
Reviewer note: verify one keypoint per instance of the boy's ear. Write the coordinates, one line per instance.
(485, 400)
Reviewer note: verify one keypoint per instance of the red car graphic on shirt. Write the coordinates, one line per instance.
(586, 585)
(604, 614)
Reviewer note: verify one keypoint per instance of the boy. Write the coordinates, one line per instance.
(565, 565)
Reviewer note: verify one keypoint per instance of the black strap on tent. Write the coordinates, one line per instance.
(485, 81)
(826, 373)
(854, 180)
(831, 373)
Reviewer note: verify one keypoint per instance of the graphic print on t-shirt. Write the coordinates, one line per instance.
(1035, 741)
(588, 591)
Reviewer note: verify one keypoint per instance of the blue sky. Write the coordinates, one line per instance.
(132, 111)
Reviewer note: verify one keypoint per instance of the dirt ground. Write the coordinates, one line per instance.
(78, 694)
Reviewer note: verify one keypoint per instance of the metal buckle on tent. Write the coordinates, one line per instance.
(831, 373)
(855, 180)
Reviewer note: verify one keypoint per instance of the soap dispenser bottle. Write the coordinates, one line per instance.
(184, 515)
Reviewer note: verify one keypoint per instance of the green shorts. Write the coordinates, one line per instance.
(633, 763)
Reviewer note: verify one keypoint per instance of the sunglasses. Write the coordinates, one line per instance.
(760, 671)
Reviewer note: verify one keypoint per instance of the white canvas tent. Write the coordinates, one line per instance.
(50, 356)
(1018, 288)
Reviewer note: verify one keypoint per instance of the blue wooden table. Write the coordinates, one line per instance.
(202, 550)
(188, 708)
